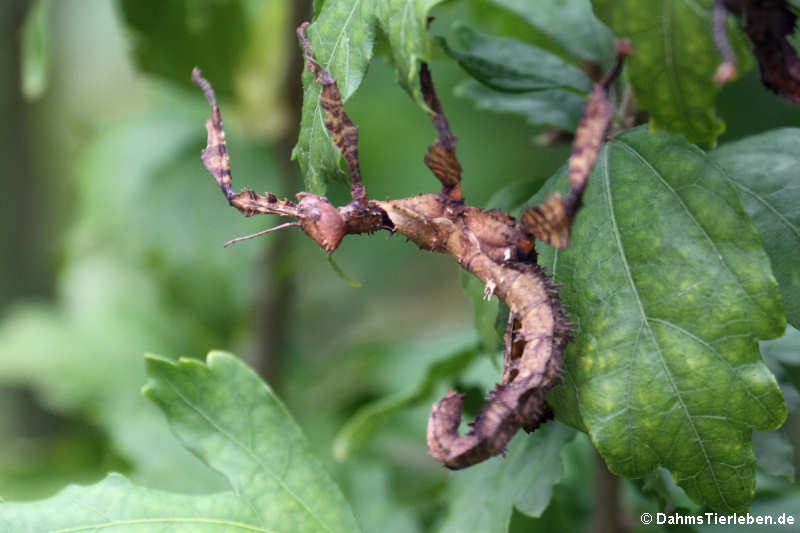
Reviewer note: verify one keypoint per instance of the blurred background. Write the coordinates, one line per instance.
(111, 236)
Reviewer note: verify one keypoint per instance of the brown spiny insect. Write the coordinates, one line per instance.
(768, 24)
(493, 246)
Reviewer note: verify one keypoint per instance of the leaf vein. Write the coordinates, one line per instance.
(248, 451)
(629, 277)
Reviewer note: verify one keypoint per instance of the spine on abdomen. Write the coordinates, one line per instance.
(534, 350)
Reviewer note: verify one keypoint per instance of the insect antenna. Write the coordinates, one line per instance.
(260, 233)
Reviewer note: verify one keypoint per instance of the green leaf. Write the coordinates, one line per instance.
(556, 107)
(342, 37)
(660, 486)
(264, 454)
(571, 23)
(510, 65)
(670, 288)
(371, 417)
(35, 61)
(673, 63)
(764, 169)
(117, 504)
(405, 22)
(232, 421)
(482, 497)
(185, 34)
(573, 501)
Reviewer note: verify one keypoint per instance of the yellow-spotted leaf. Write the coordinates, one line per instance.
(670, 288)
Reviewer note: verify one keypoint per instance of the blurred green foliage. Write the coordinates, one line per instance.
(111, 235)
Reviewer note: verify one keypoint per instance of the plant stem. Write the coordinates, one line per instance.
(25, 218)
(276, 286)
(608, 516)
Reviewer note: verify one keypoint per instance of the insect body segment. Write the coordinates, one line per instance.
(535, 338)
(491, 245)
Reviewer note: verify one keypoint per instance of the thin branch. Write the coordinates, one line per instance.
(608, 515)
(274, 282)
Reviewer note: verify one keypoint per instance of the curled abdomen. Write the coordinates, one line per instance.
(535, 338)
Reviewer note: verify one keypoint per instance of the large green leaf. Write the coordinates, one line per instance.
(507, 64)
(263, 454)
(673, 63)
(405, 23)
(116, 504)
(555, 107)
(483, 496)
(170, 38)
(764, 168)
(571, 23)
(232, 421)
(548, 87)
(671, 288)
(342, 37)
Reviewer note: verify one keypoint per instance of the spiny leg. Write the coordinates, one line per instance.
(317, 217)
(345, 134)
(217, 161)
(552, 220)
(441, 157)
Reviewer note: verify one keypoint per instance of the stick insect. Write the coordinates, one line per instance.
(491, 245)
